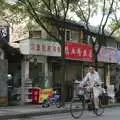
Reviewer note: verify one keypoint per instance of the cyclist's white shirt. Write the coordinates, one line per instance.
(91, 79)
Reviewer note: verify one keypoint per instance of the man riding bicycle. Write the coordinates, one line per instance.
(92, 81)
(88, 93)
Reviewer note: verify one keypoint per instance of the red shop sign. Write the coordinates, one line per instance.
(79, 51)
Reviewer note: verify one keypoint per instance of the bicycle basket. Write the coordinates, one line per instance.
(81, 91)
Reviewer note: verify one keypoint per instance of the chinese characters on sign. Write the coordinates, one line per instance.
(45, 48)
(107, 54)
(72, 50)
(78, 51)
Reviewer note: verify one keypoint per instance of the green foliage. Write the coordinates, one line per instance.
(85, 9)
(11, 13)
(48, 14)
(109, 9)
(3, 6)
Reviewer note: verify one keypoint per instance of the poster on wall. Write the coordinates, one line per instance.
(4, 33)
(107, 54)
(118, 56)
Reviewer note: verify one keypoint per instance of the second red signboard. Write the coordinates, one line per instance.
(78, 51)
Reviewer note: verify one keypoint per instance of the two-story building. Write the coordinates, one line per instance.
(41, 64)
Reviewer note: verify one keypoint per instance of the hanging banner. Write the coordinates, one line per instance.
(78, 51)
(118, 56)
(40, 47)
(107, 54)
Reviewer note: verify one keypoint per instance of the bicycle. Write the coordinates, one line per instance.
(51, 100)
(78, 104)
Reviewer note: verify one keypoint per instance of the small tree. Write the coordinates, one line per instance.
(85, 9)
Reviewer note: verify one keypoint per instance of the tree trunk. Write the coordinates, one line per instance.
(95, 57)
(62, 73)
(96, 62)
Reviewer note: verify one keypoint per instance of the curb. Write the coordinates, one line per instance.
(32, 114)
(115, 105)
(38, 113)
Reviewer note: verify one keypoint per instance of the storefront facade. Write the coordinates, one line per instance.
(82, 53)
(4, 39)
(107, 55)
(40, 71)
(76, 54)
(36, 71)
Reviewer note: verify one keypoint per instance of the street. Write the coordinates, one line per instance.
(110, 114)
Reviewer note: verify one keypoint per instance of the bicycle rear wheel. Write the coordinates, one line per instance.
(77, 107)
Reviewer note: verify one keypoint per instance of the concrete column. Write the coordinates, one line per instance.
(3, 82)
(108, 76)
(46, 68)
(47, 79)
(24, 77)
(82, 67)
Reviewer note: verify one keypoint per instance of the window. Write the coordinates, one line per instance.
(37, 74)
(89, 39)
(85, 38)
(118, 46)
(35, 34)
(81, 35)
(75, 36)
(67, 35)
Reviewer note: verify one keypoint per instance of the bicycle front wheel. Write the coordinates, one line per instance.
(58, 104)
(77, 107)
(100, 110)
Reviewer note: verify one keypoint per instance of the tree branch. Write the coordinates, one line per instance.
(67, 8)
(89, 11)
(103, 15)
(110, 9)
(35, 16)
(56, 8)
(85, 19)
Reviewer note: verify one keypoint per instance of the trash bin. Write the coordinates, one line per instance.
(104, 98)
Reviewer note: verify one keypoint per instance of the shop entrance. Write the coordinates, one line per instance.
(68, 91)
(36, 74)
(3, 82)
(14, 83)
(72, 70)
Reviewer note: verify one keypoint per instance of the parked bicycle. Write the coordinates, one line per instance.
(79, 103)
(55, 99)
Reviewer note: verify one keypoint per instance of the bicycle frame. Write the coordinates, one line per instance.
(82, 99)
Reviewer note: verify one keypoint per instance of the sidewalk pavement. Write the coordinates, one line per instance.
(12, 112)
